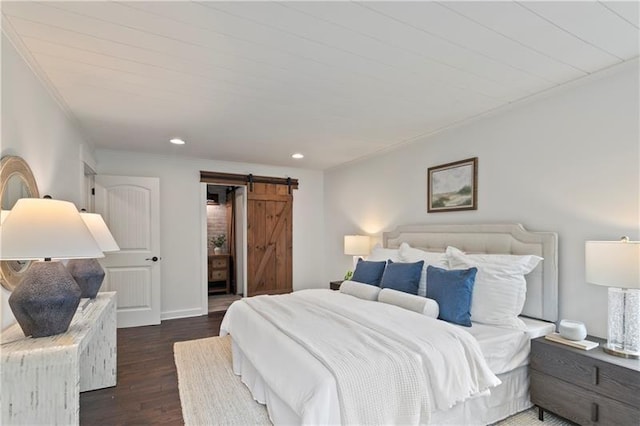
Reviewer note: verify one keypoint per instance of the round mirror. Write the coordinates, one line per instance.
(16, 181)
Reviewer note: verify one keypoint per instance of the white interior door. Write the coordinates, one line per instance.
(131, 208)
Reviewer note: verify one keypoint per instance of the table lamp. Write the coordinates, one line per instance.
(356, 246)
(616, 264)
(47, 297)
(87, 272)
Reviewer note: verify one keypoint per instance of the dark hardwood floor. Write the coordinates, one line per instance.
(147, 388)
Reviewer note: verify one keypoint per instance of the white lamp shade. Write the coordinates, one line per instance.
(357, 245)
(3, 215)
(613, 263)
(39, 228)
(100, 232)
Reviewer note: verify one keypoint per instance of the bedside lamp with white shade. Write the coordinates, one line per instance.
(87, 272)
(616, 264)
(357, 246)
(47, 297)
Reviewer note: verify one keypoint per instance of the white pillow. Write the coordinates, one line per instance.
(410, 255)
(360, 290)
(500, 288)
(419, 304)
(379, 253)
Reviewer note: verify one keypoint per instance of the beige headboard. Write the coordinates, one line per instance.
(542, 282)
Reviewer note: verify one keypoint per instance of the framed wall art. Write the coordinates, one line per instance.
(453, 186)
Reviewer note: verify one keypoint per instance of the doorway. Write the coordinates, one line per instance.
(224, 262)
(261, 247)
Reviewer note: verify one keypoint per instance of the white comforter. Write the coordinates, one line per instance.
(344, 349)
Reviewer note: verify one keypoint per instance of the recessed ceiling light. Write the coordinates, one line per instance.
(177, 141)
(297, 156)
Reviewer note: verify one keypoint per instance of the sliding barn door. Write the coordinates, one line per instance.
(269, 239)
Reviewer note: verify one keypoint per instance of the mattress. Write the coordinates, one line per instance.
(506, 349)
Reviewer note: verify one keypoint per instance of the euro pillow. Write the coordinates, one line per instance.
(419, 304)
(368, 272)
(411, 254)
(453, 290)
(500, 289)
(379, 253)
(360, 290)
(402, 276)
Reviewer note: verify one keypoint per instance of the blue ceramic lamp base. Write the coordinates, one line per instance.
(46, 300)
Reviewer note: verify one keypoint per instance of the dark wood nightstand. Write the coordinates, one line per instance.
(335, 285)
(587, 387)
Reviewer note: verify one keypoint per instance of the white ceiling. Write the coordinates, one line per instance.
(258, 81)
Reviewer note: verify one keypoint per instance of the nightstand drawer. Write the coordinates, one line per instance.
(604, 378)
(219, 263)
(217, 275)
(578, 404)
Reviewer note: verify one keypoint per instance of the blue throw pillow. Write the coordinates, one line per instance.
(368, 272)
(402, 276)
(452, 290)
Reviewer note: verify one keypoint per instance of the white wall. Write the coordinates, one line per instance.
(36, 128)
(181, 207)
(566, 162)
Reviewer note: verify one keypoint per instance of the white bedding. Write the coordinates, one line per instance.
(306, 389)
(378, 379)
(506, 349)
(506, 399)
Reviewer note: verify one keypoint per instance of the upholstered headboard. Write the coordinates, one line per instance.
(542, 282)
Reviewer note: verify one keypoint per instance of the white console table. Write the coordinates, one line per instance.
(41, 379)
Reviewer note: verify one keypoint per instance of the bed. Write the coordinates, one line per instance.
(476, 375)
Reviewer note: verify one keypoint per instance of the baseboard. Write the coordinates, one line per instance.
(183, 313)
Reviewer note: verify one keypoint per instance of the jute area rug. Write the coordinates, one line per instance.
(211, 394)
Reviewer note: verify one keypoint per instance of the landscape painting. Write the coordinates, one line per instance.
(453, 186)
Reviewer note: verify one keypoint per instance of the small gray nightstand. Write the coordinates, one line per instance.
(335, 285)
(587, 387)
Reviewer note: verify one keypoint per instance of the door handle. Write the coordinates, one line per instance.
(153, 259)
